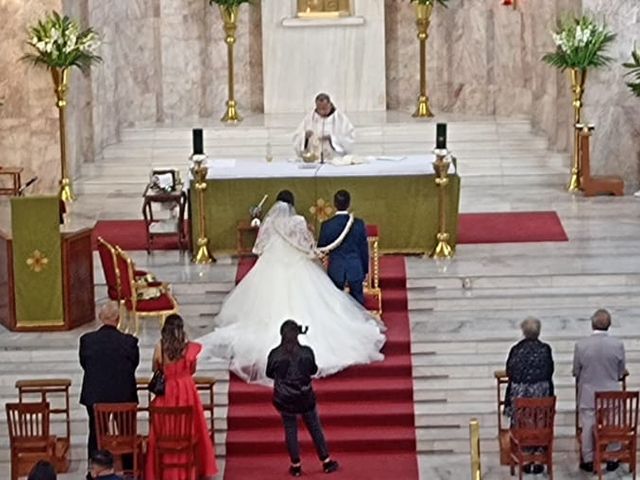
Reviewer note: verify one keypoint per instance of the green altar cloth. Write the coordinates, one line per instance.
(405, 207)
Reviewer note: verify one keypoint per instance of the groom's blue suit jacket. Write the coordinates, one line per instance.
(350, 260)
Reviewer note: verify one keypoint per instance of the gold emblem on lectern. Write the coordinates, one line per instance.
(323, 8)
(37, 261)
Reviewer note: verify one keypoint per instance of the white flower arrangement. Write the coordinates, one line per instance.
(580, 43)
(59, 42)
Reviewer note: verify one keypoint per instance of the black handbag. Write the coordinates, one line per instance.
(157, 382)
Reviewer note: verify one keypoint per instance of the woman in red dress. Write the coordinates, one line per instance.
(176, 356)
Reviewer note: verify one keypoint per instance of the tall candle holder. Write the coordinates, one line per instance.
(441, 167)
(199, 172)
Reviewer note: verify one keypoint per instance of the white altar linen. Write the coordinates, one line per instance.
(258, 168)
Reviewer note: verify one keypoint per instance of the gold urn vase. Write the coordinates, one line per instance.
(229, 17)
(60, 78)
(423, 20)
(578, 78)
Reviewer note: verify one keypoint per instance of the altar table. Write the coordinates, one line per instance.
(398, 194)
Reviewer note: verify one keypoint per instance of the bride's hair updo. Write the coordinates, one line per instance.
(173, 337)
(286, 196)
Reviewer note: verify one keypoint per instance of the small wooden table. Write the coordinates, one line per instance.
(244, 229)
(165, 227)
(14, 173)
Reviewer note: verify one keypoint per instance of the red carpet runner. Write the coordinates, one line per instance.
(496, 227)
(366, 411)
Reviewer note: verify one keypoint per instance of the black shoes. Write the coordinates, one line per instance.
(330, 466)
(612, 466)
(587, 467)
(295, 471)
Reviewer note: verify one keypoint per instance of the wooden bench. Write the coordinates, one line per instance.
(595, 184)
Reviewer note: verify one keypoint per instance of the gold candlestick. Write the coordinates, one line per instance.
(60, 82)
(578, 79)
(441, 167)
(423, 19)
(229, 18)
(199, 172)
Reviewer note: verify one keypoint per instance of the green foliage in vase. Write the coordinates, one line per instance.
(580, 43)
(634, 72)
(228, 4)
(58, 42)
(431, 2)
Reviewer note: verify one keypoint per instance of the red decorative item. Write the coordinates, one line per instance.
(512, 3)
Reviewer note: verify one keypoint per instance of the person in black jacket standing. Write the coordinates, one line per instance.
(291, 366)
(109, 359)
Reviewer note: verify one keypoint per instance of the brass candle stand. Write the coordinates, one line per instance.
(229, 18)
(60, 82)
(199, 172)
(423, 19)
(474, 444)
(441, 167)
(578, 78)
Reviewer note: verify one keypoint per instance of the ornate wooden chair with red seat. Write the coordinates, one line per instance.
(117, 431)
(372, 290)
(108, 254)
(29, 436)
(531, 434)
(143, 299)
(616, 424)
(175, 442)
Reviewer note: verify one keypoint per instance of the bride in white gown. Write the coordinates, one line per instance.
(288, 282)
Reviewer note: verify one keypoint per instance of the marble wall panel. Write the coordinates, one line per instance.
(609, 104)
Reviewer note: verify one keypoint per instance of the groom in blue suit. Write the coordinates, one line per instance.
(344, 238)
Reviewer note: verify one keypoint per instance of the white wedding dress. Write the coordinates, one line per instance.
(288, 283)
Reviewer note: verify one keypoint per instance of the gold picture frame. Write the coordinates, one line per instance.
(323, 8)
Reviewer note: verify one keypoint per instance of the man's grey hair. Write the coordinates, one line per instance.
(323, 97)
(601, 320)
(109, 313)
(531, 328)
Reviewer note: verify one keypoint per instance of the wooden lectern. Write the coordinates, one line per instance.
(595, 184)
(68, 260)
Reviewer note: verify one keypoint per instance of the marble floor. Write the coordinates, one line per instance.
(464, 312)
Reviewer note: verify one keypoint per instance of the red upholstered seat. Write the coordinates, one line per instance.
(372, 231)
(107, 254)
(371, 302)
(163, 302)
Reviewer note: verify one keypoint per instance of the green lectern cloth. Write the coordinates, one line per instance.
(37, 261)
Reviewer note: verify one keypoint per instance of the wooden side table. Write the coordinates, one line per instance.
(243, 230)
(14, 173)
(168, 226)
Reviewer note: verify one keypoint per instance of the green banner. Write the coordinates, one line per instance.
(37, 261)
(404, 207)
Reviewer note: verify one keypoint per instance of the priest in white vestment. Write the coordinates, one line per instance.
(325, 132)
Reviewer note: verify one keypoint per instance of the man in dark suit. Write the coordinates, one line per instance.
(109, 359)
(598, 365)
(344, 239)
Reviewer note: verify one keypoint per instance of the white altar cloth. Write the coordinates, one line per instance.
(377, 166)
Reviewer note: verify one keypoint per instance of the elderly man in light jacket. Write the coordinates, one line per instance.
(598, 365)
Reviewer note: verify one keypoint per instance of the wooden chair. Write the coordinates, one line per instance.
(531, 433)
(175, 442)
(204, 386)
(372, 290)
(623, 385)
(117, 431)
(591, 184)
(503, 432)
(135, 294)
(29, 436)
(54, 392)
(616, 423)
